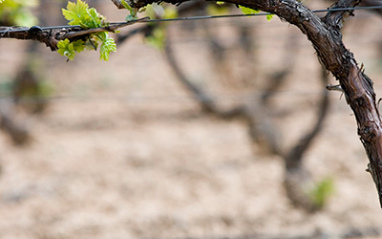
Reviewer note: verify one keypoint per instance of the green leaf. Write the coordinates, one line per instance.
(247, 10)
(133, 11)
(75, 12)
(152, 9)
(69, 49)
(156, 11)
(78, 45)
(107, 46)
(126, 5)
(94, 18)
(269, 17)
(80, 14)
(65, 48)
(322, 191)
(157, 38)
(170, 12)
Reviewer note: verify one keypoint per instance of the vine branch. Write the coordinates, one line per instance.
(52, 35)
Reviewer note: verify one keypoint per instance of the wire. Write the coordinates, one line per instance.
(176, 99)
(9, 29)
(257, 14)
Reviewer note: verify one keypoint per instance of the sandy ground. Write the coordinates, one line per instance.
(123, 151)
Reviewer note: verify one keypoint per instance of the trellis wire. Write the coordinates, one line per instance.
(258, 14)
(216, 17)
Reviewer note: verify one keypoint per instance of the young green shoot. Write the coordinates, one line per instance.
(80, 14)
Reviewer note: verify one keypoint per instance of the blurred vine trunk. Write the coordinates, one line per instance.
(256, 112)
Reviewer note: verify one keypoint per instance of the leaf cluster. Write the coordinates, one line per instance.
(80, 14)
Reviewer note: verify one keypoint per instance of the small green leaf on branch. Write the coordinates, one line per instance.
(80, 14)
(133, 11)
(108, 45)
(69, 49)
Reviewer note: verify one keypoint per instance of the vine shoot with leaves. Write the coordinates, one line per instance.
(80, 14)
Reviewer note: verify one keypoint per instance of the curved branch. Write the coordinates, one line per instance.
(296, 177)
(206, 102)
(293, 158)
(261, 130)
